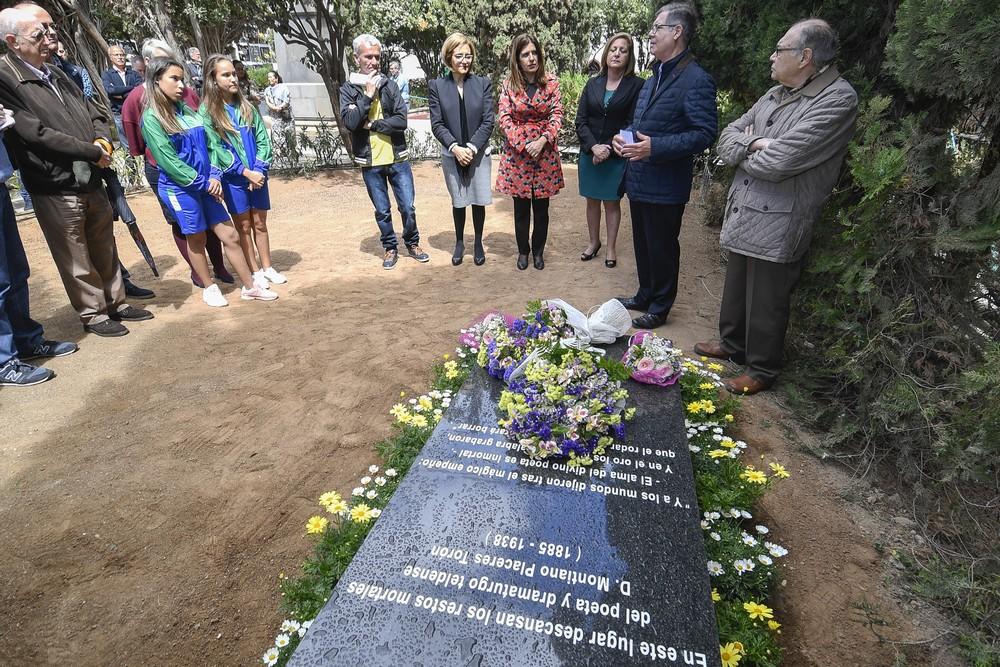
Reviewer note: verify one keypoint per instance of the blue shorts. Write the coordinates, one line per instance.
(195, 212)
(240, 198)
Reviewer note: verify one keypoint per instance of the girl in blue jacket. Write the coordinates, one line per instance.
(189, 184)
(240, 147)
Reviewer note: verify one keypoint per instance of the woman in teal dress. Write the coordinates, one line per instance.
(606, 107)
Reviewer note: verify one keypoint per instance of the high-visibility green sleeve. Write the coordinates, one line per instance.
(218, 152)
(159, 144)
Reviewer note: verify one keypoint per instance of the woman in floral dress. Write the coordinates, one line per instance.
(530, 115)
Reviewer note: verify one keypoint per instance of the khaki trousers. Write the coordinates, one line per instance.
(78, 229)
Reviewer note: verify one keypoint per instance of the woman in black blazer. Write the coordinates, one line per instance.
(462, 116)
(606, 107)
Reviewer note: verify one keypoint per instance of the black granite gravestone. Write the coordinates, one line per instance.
(485, 557)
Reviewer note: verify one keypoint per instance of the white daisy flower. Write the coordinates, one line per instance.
(372, 495)
(289, 626)
(745, 514)
(281, 641)
(391, 472)
(749, 540)
(380, 481)
(373, 469)
(715, 536)
(762, 529)
(376, 513)
(705, 524)
(765, 560)
(715, 569)
(776, 550)
(694, 449)
(366, 480)
(304, 627)
(271, 657)
(358, 491)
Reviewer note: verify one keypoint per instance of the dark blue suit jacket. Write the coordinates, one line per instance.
(446, 123)
(117, 92)
(682, 120)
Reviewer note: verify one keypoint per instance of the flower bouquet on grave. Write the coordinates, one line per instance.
(653, 360)
(567, 404)
(502, 344)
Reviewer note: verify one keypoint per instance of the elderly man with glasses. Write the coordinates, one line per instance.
(787, 150)
(60, 142)
(675, 119)
(119, 80)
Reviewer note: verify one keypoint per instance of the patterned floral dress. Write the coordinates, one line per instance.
(522, 120)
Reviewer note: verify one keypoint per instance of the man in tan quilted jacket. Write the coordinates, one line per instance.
(787, 150)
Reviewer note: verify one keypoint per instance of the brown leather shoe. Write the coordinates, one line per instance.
(713, 350)
(744, 385)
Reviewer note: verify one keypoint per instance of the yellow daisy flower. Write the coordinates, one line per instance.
(757, 612)
(730, 656)
(339, 506)
(316, 525)
(773, 625)
(753, 475)
(715, 595)
(779, 470)
(362, 513)
(329, 497)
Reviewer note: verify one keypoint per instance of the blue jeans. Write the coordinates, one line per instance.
(18, 332)
(400, 177)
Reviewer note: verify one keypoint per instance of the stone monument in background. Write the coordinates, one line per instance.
(309, 96)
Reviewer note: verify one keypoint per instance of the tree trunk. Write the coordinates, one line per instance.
(161, 16)
(199, 39)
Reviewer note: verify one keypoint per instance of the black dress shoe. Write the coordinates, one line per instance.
(479, 260)
(631, 303)
(136, 292)
(456, 257)
(107, 328)
(649, 321)
(131, 314)
(522, 262)
(539, 262)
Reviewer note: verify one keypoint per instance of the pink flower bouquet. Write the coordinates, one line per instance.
(653, 360)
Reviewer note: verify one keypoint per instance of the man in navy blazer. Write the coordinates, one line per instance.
(675, 119)
(118, 82)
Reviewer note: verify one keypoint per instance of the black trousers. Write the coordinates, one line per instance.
(655, 232)
(754, 313)
(523, 210)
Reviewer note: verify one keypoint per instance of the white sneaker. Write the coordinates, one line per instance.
(271, 274)
(212, 296)
(257, 292)
(260, 279)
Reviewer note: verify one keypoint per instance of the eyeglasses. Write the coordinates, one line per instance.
(657, 26)
(47, 28)
(462, 56)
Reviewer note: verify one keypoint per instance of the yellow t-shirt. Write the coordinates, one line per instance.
(381, 143)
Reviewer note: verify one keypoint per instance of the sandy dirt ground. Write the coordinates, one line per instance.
(151, 494)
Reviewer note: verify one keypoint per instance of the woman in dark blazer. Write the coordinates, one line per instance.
(606, 107)
(461, 106)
